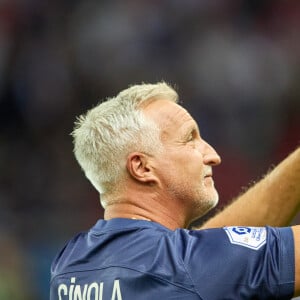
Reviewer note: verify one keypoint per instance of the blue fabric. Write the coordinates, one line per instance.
(134, 259)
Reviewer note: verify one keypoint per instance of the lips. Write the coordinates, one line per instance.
(208, 180)
(208, 173)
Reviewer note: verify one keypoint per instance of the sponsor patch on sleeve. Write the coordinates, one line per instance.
(250, 237)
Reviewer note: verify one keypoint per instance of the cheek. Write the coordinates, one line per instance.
(186, 166)
(193, 163)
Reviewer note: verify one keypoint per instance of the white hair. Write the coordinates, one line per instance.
(107, 133)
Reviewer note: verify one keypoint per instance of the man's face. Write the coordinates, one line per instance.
(185, 165)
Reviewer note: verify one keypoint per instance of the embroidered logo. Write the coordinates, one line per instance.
(250, 237)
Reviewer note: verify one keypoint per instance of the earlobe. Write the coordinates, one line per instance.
(138, 167)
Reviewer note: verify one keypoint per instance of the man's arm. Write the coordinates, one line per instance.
(274, 200)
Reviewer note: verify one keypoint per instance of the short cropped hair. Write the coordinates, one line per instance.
(107, 133)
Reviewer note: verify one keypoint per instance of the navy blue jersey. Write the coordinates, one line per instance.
(133, 259)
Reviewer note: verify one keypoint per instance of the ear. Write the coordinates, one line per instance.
(139, 168)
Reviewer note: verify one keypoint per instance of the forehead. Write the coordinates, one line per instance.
(169, 115)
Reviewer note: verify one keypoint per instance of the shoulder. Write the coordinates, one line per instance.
(258, 259)
(248, 236)
(66, 255)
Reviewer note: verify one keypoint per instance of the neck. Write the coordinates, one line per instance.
(155, 209)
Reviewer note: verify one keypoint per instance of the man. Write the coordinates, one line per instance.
(144, 154)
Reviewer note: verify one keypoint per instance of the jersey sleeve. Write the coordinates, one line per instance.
(240, 262)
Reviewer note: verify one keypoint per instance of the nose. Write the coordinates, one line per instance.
(211, 157)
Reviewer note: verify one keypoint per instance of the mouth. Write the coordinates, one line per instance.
(208, 175)
(208, 178)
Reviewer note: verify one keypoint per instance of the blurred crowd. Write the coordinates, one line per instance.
(234, 63)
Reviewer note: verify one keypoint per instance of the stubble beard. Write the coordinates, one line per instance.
(201, 199)
(205, 201)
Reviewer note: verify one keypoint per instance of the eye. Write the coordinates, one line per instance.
(191, 136)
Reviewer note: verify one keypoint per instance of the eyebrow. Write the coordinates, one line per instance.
(198, 129)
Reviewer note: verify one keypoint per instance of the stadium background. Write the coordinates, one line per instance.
(235, 64)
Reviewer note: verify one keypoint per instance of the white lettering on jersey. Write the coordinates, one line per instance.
(91, 291)
(250, 237)
(62, 288)
(116, 291)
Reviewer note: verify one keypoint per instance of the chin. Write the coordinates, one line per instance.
(205, 204)
(215, 199)
(212, 204)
